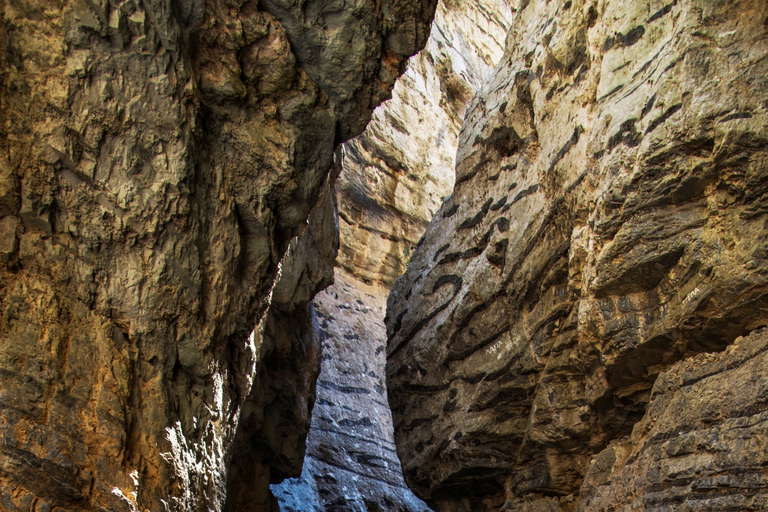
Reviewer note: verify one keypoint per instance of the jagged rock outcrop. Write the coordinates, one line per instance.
(157, 158)
(608, 220)
(395, 176)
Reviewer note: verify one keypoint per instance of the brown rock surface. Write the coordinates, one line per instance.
(157, 158)
(608, 220)
(701, 444)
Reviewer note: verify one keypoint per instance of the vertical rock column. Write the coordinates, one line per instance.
(157, 158)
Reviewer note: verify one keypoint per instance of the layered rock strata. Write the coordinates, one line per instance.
(608, 220)
(700, 445)
(157, 158)
(399, 170)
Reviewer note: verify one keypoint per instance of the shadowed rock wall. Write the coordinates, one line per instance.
(157, 158)
(608, 220)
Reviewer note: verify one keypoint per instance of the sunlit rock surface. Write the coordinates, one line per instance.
(156, 159)
(608, 220)
(400, 169)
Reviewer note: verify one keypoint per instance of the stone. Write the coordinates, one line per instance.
(607, 221)
(9, 241)
(397, 173)
(161, 155)
(699, 445)
(394, 176)
(272, 430)
(351, 463)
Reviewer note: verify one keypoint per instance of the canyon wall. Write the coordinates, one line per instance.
(607, 224)
(394, 177)
(400, 169)
(157, 158)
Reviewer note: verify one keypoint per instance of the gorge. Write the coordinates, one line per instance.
(199, 229)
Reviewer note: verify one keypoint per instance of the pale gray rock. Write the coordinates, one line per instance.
(351, 463)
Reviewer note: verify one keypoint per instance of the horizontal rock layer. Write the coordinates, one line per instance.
(157, 158)
(608, 220)
(700, 445)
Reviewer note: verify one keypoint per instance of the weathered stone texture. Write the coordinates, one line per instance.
(701, 444)
(399, 170)
(272, 430)
(157, 158)
(351, 463)
(608, 220)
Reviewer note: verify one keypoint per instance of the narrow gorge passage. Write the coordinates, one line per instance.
(582, 327)
(203, 212)
(394, 177)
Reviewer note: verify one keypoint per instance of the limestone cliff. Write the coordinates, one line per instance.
(608, 220)
(157, 158)
(399, 170)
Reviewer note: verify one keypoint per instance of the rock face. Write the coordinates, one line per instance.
(608, 220)
(399, 170)
(394, 177)
(271, 437)
(700, 443)
(351, 463)
(157, 158)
